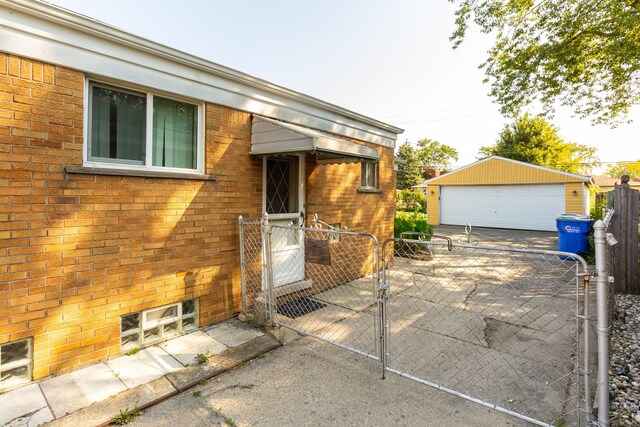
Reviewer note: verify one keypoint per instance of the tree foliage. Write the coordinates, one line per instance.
(584, 54)
(535, 140)
(435, 155)
(617, 170)
(409, 172)
(411, 201)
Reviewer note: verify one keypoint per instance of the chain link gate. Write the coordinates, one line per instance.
(336, 300)
(507, 328)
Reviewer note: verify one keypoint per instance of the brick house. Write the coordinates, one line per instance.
(124, 166)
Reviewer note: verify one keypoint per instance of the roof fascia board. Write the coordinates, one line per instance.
(578, 177)
(51, 34)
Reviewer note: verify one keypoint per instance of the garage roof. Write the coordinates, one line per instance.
(273, 137)
(499, 170)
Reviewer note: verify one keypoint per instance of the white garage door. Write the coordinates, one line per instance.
(524, 207)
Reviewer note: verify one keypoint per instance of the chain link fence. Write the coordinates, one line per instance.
(499, 326)
(252, 269)
(334, 298)
(506, 327)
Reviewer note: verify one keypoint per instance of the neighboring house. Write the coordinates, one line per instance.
(504, 193)
(124, 165)
(604, 184)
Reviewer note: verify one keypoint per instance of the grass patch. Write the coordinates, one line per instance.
(125, 416)
(133, 351)
(201, 358)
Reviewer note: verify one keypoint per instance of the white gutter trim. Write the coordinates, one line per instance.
(380, 133)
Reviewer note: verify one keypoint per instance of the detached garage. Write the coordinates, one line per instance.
(504, 193)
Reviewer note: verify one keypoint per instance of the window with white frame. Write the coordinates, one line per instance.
(157, 324)
(369, 175)
(137, 130)
(15, 363)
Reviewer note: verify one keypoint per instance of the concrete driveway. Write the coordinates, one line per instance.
(501, 236)
(311, 383)
(498, 326)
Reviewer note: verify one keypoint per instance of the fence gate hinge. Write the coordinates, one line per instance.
(382, 291)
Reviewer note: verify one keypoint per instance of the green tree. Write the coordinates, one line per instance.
(625, 168)
(535, 140)
(435, 155)
(411, 201)
(409, 172)
(584, 54)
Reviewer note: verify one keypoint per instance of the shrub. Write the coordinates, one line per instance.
(406, 221)
(411, 201)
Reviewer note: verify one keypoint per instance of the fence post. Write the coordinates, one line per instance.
(602, 295)
(243, 285)
(267, 266)
(383, 298)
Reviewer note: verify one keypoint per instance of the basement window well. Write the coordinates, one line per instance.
(157, 324)
(15, 363)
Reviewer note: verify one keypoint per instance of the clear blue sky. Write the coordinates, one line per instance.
(390, 60)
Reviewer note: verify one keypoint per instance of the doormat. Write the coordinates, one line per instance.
(299, 307)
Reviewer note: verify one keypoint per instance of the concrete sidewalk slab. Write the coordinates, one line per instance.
(144, 366)
(70, 392)
(311, 383)
(150, 393)
(102, 412)
(186, 347)
(24, 407)
(233, 333)
(192, 375)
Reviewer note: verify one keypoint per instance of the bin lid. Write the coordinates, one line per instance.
(572, 217)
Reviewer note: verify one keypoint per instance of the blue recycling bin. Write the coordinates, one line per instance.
(573, 233)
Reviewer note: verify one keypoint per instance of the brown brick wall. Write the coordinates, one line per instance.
(332, 194)
(79, 251)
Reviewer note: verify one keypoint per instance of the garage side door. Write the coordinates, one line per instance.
(524, 207)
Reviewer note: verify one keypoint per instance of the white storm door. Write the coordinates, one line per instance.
(283, 200)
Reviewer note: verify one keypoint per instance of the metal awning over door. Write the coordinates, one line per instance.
(272, 137)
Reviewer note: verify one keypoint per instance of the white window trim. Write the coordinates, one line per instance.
(364, 174)
(148, 162)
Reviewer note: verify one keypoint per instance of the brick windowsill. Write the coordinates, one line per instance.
(142, 174)
(369, 190)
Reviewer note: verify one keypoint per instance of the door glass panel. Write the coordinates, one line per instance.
(282, 185)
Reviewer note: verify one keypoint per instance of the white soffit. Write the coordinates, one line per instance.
(270, 136)
(55, 35)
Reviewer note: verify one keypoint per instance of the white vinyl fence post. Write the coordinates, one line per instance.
(602, 297)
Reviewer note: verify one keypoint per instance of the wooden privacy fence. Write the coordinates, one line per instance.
(624, 227)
